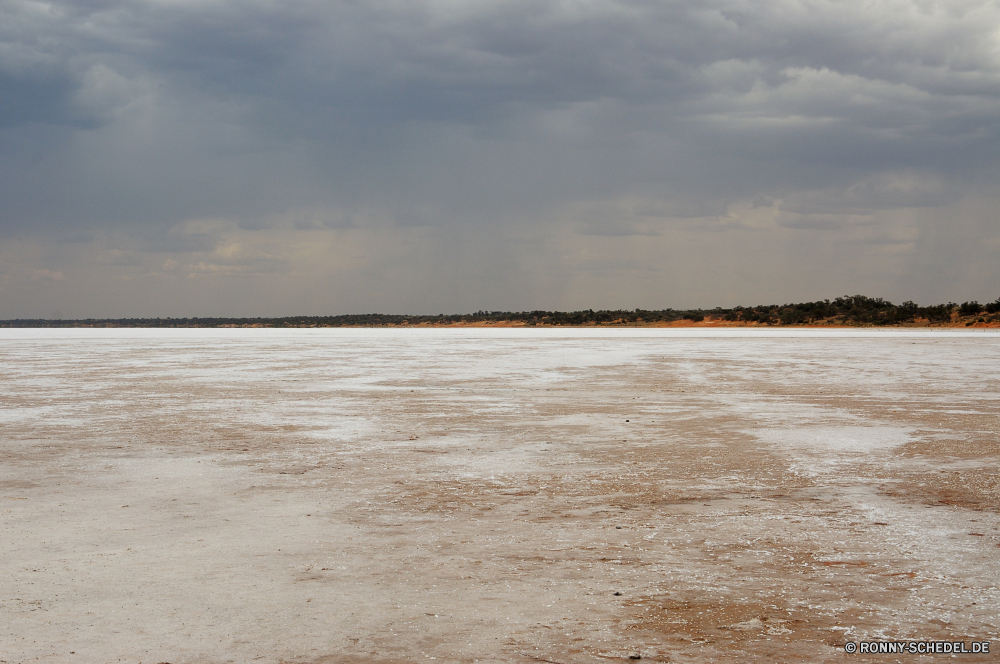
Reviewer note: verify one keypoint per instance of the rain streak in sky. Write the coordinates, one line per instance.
(177, 158)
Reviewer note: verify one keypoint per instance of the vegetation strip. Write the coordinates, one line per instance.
(851, 311)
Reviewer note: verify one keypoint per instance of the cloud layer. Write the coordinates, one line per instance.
(264, 158)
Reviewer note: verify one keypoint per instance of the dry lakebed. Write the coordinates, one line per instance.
(497, 495)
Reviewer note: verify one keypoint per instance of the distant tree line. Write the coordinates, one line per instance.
(850, 310)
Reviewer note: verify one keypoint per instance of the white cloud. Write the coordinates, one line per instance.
(44, 274)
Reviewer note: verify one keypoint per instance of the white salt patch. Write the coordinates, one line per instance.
(859, 439)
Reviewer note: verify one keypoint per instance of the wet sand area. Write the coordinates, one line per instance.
(496, 495)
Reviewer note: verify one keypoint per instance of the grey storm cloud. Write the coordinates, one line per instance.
(623, 118)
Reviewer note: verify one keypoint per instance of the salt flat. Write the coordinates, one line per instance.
(556, 495)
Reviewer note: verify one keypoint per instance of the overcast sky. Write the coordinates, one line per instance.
(223, 157)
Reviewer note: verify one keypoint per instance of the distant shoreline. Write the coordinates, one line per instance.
(707, 324)
(848, 311)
